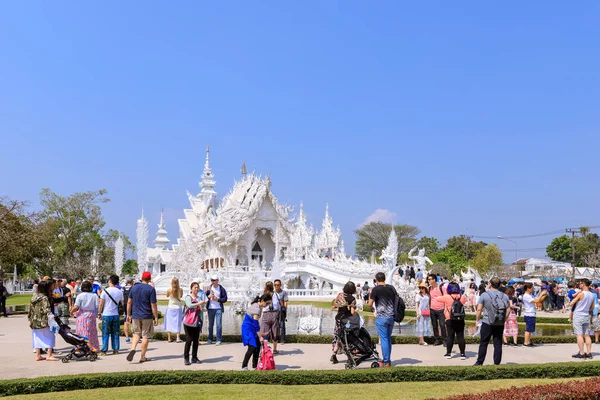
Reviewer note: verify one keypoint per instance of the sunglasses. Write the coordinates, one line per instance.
(214, 280)
(277, 284)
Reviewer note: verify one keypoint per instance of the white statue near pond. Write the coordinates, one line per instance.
(420, 258)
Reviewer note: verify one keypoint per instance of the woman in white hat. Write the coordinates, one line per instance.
(423, 314)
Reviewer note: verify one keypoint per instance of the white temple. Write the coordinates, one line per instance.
(249, 237)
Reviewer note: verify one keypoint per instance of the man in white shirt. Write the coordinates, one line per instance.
(217, 296)
(108, 311)
(529, 311)
(582, 307)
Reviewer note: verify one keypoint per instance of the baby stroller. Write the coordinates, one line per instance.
(356, 343)
(82, 348)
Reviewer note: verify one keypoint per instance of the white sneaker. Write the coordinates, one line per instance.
(448, 356)
(463, 357)
(179, 340)
(218, 344)
(245, 369)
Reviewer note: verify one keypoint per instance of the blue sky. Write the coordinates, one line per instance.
(466, 117)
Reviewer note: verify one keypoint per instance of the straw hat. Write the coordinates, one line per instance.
(423, 284)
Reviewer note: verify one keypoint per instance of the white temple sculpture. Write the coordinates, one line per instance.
(420, 258)
(119, 255)
(247, 238)
(142, 244)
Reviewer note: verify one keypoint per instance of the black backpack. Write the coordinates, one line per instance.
(399, 306)
(457, 310)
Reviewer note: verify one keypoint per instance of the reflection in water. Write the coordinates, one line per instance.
(232, 323)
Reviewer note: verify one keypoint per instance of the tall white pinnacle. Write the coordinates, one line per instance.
(161, 240)
(119, 248)
(208, 179)
(142, 243)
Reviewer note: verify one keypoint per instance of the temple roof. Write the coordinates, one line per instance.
(240, 207)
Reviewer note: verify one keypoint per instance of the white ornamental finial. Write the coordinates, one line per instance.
(162, 241)
(208, 183)
(244, 170)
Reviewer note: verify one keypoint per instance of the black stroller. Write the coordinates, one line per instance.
(82, 348)
(356, 343)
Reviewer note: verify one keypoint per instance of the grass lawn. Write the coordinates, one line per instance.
(18, 300)
(404, 390)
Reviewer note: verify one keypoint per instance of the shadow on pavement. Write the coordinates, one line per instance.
(216, 360)
(406, 361)
(281, 367)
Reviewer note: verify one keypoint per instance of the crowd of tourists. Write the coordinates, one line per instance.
(441, 309)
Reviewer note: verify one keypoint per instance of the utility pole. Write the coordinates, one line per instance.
(573, 232)
(468, 239)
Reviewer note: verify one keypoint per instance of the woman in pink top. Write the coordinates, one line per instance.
(454, 326)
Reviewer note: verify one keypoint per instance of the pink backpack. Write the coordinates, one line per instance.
(267, 362)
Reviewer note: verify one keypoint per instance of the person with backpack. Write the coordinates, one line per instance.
(437, 310)
(454, 319)
(110, 310)
(495, 307)
(126, 325)
(384, 298)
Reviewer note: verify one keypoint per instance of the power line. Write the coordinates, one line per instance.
(532, 235)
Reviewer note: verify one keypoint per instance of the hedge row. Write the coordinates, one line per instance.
(326, 339)
(588, 389)
(314, 377)
(539, 320)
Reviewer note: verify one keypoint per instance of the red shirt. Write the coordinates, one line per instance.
(434, 294)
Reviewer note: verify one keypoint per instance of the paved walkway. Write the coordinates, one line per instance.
(18, 361)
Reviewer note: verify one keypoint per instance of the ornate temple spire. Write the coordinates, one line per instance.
(328, 237)
(244, 170)
(161, 241)
(208, 179)
(142, 243)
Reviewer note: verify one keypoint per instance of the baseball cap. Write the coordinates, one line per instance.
(214, 278)
(147, 275)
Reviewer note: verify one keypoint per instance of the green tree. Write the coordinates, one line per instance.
(430, 244)
(455, 261)
(374, 237)
(76, 222)
(559, 249)
(487, 259)
(465, 245)
(130, 267)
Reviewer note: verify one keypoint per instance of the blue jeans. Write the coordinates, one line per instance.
(212, 315)
(385, 326)
(110, 327)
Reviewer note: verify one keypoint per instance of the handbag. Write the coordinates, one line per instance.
(267, 362)
(120, 308)
(191, 315)
(425, 313)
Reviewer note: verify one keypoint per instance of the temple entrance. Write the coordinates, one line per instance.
(257, 253)
(263, 248)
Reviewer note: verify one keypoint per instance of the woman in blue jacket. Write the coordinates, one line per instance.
(250, 329)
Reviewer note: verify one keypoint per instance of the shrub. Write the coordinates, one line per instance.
(540, 320)
(309, 377)
(588, 389)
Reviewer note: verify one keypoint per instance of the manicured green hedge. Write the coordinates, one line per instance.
(309, 377)
(326, 339)
(539, 320)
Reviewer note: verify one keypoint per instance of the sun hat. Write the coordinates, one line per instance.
(423, 284)
(214, 277)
